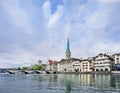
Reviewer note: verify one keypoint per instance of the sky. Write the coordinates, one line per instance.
(32, 30)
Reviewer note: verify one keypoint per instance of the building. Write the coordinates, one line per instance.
(103, 62)
(69, 64)
(76, 65)
(117, 61)
(40, 62)
(86, 65)
(99, 63)
(44, 66)
(52, 65)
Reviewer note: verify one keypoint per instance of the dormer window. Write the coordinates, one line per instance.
(100, 55)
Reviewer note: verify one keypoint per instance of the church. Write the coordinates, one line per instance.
(69, 64)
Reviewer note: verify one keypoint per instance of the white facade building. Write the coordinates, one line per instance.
(117, 61)
(103, 62)
(69, 65)
(76, 65)
(116, 58)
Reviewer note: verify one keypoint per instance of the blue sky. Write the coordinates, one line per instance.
(38, 29)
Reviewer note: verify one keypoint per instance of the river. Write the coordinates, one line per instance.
(59, 83)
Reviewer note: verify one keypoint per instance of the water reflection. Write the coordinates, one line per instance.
(73, 82)
(60, 83)
(115, 81)
(68, 87)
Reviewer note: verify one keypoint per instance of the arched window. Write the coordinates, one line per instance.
(106, 69)
(97, 69)
(101, 69)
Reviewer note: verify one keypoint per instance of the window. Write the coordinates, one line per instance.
(97, 69)
(101, 69)
(101, 55)
(117, 58)
(106, 69)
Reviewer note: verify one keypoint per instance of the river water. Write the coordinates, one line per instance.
(59, 83)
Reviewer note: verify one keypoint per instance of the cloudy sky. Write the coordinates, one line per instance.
(38, 29)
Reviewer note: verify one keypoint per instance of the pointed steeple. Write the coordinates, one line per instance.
(68, 45)
(68, 53)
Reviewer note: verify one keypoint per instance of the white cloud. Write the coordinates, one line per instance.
(90, 25)
(51, 19)
(92, 33)
(17, 16)
(46, 10)
(54, 18)
(20, 57)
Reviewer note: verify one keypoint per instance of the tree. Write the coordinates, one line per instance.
(24, 68)
(36, 67)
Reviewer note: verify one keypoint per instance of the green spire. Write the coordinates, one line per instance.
(68, 45)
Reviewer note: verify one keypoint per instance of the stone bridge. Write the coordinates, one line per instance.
(27, 72)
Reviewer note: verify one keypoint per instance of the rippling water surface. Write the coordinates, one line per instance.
(59, 83)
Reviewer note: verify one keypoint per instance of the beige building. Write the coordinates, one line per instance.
(76, 65)
(86, 66)
(52, 65)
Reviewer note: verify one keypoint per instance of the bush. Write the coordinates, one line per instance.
(24, 68)
(36, 67)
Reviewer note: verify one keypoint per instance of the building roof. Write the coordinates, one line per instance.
(44, 64)
(116, 54)
(87, 60)
(56, 62)
(50, 62)
(104, 55)
(62, 60)
(71, 59)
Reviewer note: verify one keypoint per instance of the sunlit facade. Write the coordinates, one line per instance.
(86, 66)
(103, 62)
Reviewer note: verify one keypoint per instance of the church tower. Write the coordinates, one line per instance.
(68, 53)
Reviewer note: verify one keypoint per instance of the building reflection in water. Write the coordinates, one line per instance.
(79, 80)
(91, 80)
(76, 80)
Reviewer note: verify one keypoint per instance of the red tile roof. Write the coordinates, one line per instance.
(50, 62)
(55, 62)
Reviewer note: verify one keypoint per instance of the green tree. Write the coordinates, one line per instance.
(36, 67)
(24, 68)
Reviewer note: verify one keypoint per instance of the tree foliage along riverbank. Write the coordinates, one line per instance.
(35, 67)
